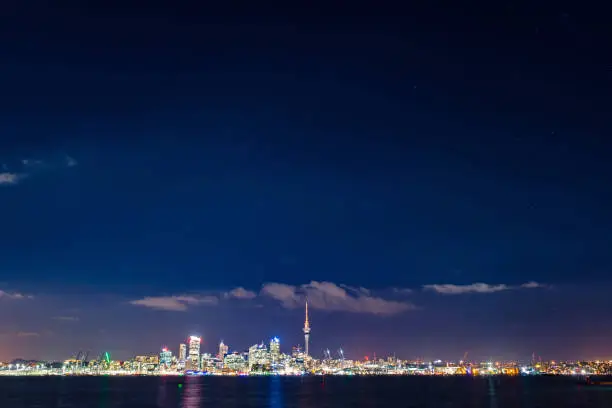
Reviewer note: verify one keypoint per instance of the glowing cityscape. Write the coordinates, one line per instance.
(268, 359)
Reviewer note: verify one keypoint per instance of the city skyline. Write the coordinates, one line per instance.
(434, 180)
(263, 359)
(196, 345)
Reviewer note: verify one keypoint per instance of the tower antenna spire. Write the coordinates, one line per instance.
(306, 329)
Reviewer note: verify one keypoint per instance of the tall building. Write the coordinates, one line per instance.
(207, 361)
(146, 363)
(223, 349)
(165, 357)
(235, 362)
(259, 357)
(275, 350)
(306, 330)
(194, 352)
(182, 352)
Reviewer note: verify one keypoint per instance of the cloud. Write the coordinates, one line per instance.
(332, 297)
(286, 294)
(356, 290)
(450, 289)
(27, 334)
(178, 303)
(31, 162)
(71, 162)
(30, 167)
(402, 291)
(8, 178)
(532, 285)
(240, 293)
(67, 318)
(479, 287)
(14, 295)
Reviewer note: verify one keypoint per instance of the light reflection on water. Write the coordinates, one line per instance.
(192, 396)
(277, 392)
(162, 393)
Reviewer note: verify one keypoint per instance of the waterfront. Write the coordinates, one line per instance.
(276, 392)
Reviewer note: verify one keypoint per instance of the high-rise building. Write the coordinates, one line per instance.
(146, 363)
(259, 357)
(306, 330)
(182, 352)
(275, 350)
(165, 357)
(194, 352)
(223, 349)
(235, 362)
(207, 361)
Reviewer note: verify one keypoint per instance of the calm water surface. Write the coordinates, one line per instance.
(276, 392)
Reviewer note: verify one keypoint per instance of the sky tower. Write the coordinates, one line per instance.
(306, 330)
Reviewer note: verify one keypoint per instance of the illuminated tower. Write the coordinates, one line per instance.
(182, 352)
(306, 330)
(275, 350)
(223, 349)
(194, 352)
(165, 357)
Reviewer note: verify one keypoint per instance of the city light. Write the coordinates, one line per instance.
(268, 359)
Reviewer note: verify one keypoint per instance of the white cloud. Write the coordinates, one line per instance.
(71, 162)
(286, 294)
(30, 167)
(450, 289)
(31, 162)
(14, 295)
(178, 303)
(532, 285)
(27, 334)
(357, 290)
(240, 293)
(67, 318)
(8, 178)
(332, 297)
(479, 287)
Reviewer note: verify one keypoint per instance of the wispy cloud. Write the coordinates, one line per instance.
(402, 291)
(70, 161)
(179, 303)
(14, 295)
(357, 290)
(479, 287)
(8, 178)
(31, 162)
(28, 334)
(450, 289)
(533, 285)
(332, 297)
(240, 293)
(67, 318)
(30, 167)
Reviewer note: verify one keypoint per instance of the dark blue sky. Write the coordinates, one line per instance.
(167, 155)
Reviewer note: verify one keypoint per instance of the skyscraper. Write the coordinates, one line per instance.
(259, 357)
(165, 357)
(275, 350)
(194, 352)
(223, 349)
(182, 352)
(306, 330)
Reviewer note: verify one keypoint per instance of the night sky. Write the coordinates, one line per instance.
(435, 179)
